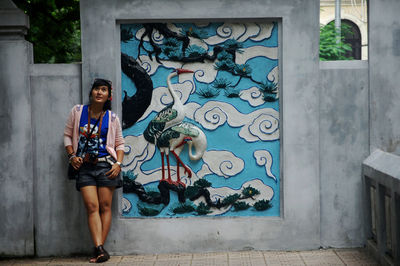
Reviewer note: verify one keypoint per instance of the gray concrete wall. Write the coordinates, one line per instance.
(60, 217)
(344, 144)
(384, 78)
(16, 177)
(299, 224)
(325, 135)
(16, 182)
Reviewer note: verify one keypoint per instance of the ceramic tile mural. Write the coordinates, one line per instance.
(200, 119)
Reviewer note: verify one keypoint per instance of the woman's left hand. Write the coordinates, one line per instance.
(114, 171)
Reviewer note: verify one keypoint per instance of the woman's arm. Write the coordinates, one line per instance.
(116, 167)
(75, 161)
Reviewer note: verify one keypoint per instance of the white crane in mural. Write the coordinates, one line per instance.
(169, 133)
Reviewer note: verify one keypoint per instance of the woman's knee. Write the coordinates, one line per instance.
(92, 207)
(105, 206)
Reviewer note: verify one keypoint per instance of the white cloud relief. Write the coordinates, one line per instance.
(262, 124)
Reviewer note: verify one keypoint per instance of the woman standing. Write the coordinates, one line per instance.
(95, 147)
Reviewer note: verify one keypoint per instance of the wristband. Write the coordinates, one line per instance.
(119, 163)
(71, 157)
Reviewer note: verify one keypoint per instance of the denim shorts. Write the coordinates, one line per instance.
(95, 175)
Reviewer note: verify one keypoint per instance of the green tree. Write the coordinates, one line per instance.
(329, 48)
(54, 29)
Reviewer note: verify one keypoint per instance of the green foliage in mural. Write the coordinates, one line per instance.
(232, 93)
(203, 209)
(202, 183)
(233, 44)
(229, 200)
(250, 192)
(153, 194)
(176, 47)
(54, 29)
(184, 208)
(225, 56)
(329, 48)
(149, 209)
(222, 83)
(262, 205)
(191, 191)
(243, 70)
(226, 65)
(241, 206)
(269, 90)
(208, 92)
(195, 51)
(130, 175)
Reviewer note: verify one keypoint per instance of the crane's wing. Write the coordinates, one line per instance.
(187, 129)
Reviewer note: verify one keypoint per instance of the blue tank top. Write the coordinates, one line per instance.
(97, 144)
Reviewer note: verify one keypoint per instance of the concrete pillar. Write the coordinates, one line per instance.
(16, 175)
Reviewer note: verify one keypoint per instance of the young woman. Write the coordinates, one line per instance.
(95, 147)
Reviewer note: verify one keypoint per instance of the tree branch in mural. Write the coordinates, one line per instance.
(198, 190)
(163, 30)
(169, 133)
(133, 107)
(176, 47)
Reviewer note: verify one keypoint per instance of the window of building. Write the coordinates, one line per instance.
(353, 17)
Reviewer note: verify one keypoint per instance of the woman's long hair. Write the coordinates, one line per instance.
(102, 82)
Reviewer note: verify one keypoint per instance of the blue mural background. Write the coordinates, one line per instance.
(220, 136)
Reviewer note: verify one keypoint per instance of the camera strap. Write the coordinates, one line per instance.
(89, 135)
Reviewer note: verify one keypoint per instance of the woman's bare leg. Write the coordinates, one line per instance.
(105, 195)
(91, 200)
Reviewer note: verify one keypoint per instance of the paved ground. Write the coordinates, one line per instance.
(245, 258)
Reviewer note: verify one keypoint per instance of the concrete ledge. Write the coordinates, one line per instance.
(384, 168)
(381, 170)
(56, 69)
(343, 64)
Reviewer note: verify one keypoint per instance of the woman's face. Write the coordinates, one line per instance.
(100, 94)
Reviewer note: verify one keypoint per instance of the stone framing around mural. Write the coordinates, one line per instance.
(298, 224)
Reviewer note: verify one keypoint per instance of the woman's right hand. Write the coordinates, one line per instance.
(76, 162)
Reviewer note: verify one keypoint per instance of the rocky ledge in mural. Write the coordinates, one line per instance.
(207, 94)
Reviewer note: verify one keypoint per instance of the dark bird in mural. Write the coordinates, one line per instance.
(169, 133)
(133, 107)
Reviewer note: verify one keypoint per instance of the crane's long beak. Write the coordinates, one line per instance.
(181, 71)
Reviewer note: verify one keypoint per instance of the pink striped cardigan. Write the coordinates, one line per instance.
(115, 140)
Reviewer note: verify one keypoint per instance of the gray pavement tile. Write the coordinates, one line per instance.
(183, 256)
(247, 262)
(246, 254)
(210, 262)
(7, 262)
(114, 260)
(138, 258)
(69, 261)
(137, 263)
(29, 264)
(30, 261)
(246, 258)
(320, 257)
(210, 255)
(355, 257)
(170, 262)
(283, 258)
